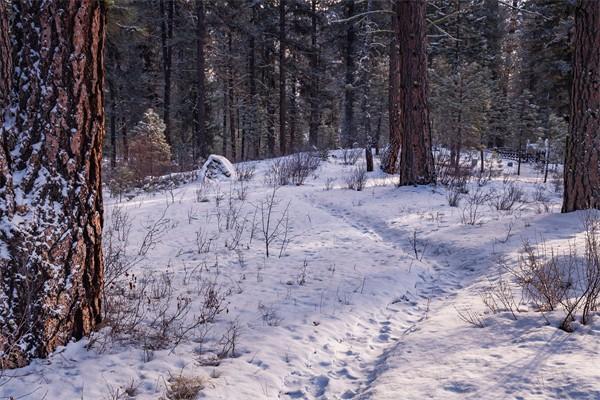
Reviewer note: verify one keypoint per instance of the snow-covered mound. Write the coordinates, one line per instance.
(216, 168)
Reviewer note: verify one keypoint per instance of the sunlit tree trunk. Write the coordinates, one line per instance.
(51, 268)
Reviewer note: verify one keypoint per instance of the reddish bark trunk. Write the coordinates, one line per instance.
(582, 163)
(416, 159)
(51, 268)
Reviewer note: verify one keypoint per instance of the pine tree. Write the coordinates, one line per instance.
(150, 152)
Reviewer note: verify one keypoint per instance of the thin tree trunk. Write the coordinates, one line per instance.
(166, 35)
(348, 128)
(314, 119)
(416, 159)
(232, 124)
(582, 162)
(254, 144)
(282, 68)
(201, 137)
(51, 268)
(125, 140)
(293, 118)
(394, 108)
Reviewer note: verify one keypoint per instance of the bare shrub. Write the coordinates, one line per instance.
(272, 226)
(244, 172)
(229, 340)
(182, 387)
(277, 174)
(471, 317)
(541, 275)
(147, 311)
(269, 315)
(567, 280)
(499, 296)
(351, 156)
(357, 178)
(201, 193)
(507, 198)
(329, 183)
(154, 231)
(292, 169)
(471, 213)
(540, 194)
(453, 196)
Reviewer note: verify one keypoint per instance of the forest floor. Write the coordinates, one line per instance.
(360, 297)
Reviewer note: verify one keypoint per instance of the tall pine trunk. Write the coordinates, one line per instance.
(416, 159)
(51, 267)
(582, 163)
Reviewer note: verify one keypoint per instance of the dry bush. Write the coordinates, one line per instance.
(272, 226)
(329, 183)
(453, 196)
(244, 172)
(471, 212)
(567, 281)
(184, 387)
(147, 311)
(510, 195)
(471, 317)
(351, 156)
(292, 169)
(499, 297)
(301, 165)
(357, 178)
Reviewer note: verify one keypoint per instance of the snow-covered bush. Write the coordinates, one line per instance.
(216, 168)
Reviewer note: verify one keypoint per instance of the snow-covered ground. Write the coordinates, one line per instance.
(343, 307)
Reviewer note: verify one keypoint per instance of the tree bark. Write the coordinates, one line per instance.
(314, 119)
(348, 128)
(166, 35)
(282, 67)
(51, 266)
(395, 132)
(416, 159)
(201, 137)
(582, 162)
(231, 110)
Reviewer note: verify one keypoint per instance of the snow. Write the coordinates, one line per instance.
(348, 310)
(216, 168)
